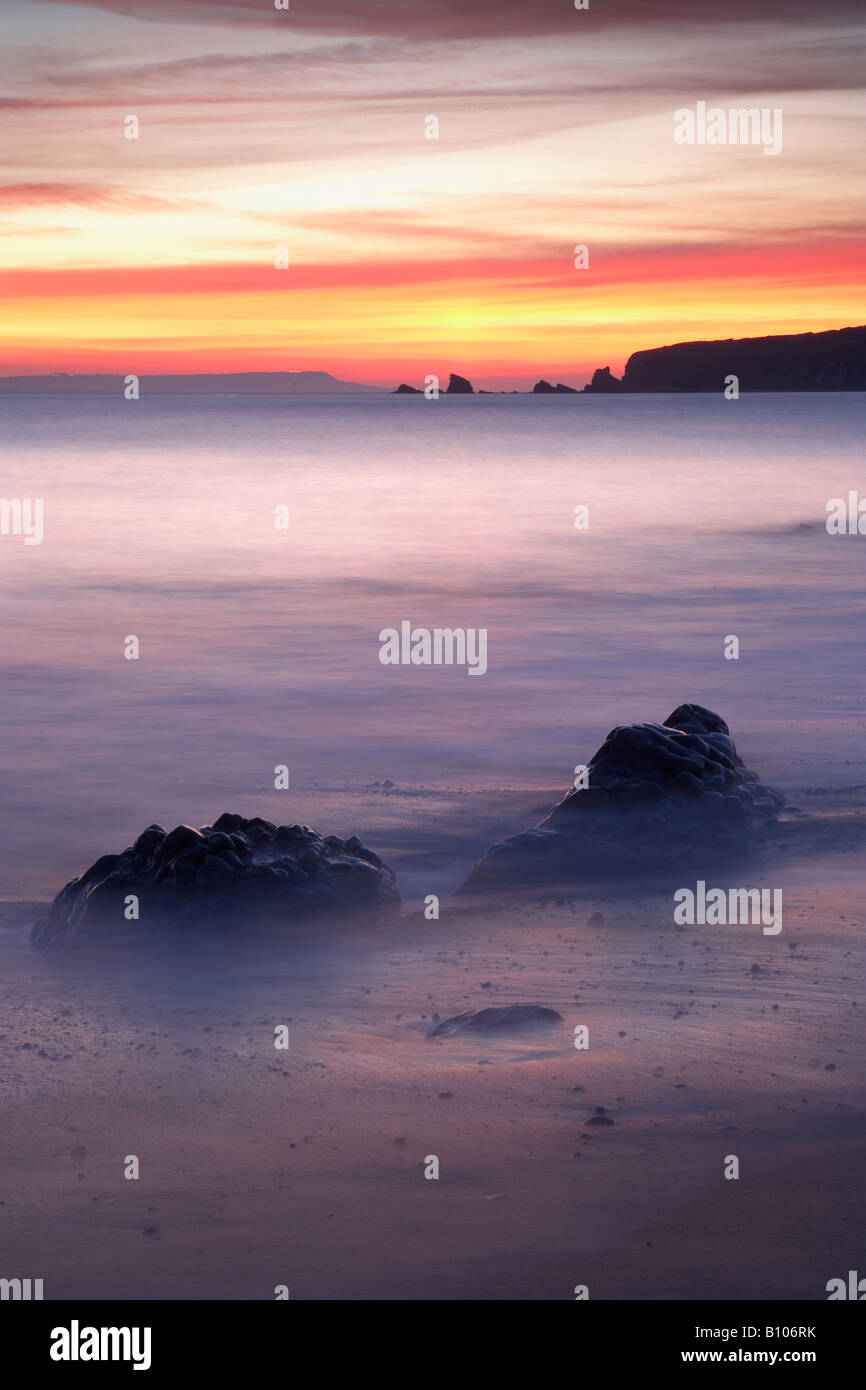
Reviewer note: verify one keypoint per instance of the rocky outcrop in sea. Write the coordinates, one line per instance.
(459, 386)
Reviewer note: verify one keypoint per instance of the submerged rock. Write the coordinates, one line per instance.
(229, 873)
(656, 796)
(504, 1019)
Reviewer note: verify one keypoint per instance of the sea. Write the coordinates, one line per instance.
(258, 546)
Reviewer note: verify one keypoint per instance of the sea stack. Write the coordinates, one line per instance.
(459, 386)
(544, 388)
(603, 382)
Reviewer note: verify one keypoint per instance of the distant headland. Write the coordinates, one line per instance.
(832, 361)
(176, 383)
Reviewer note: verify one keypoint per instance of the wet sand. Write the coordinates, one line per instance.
(306, 1167)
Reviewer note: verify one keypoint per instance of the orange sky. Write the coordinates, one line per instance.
(408, 255)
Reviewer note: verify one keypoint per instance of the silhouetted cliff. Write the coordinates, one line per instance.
(832, 361)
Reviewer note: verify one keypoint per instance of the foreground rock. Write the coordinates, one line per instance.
(506, 1019)
(231, 873)
(658, 797)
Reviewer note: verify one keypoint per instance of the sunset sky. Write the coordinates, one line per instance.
(306, 128)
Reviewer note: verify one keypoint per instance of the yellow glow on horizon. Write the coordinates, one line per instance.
(479, 324)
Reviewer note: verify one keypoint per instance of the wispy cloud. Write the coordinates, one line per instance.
(18, 196)
(306, 128)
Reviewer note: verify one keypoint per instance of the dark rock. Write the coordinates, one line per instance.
(354, 847)
(544, 388)
(599, 1120)
(404, 390)
(238, 872)
(258, 835)
(834, 360)
(150, 840)
(217, 841)
(181, 838)
(185, 865)
(459, 386)
(99, 870)
(659, 797)
(603, 382)
(215, 874)
(355, 875)
(507, 1018)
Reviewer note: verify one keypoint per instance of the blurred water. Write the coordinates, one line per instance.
(259, 646)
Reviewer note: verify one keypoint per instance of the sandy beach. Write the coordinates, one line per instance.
(305, 1167)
